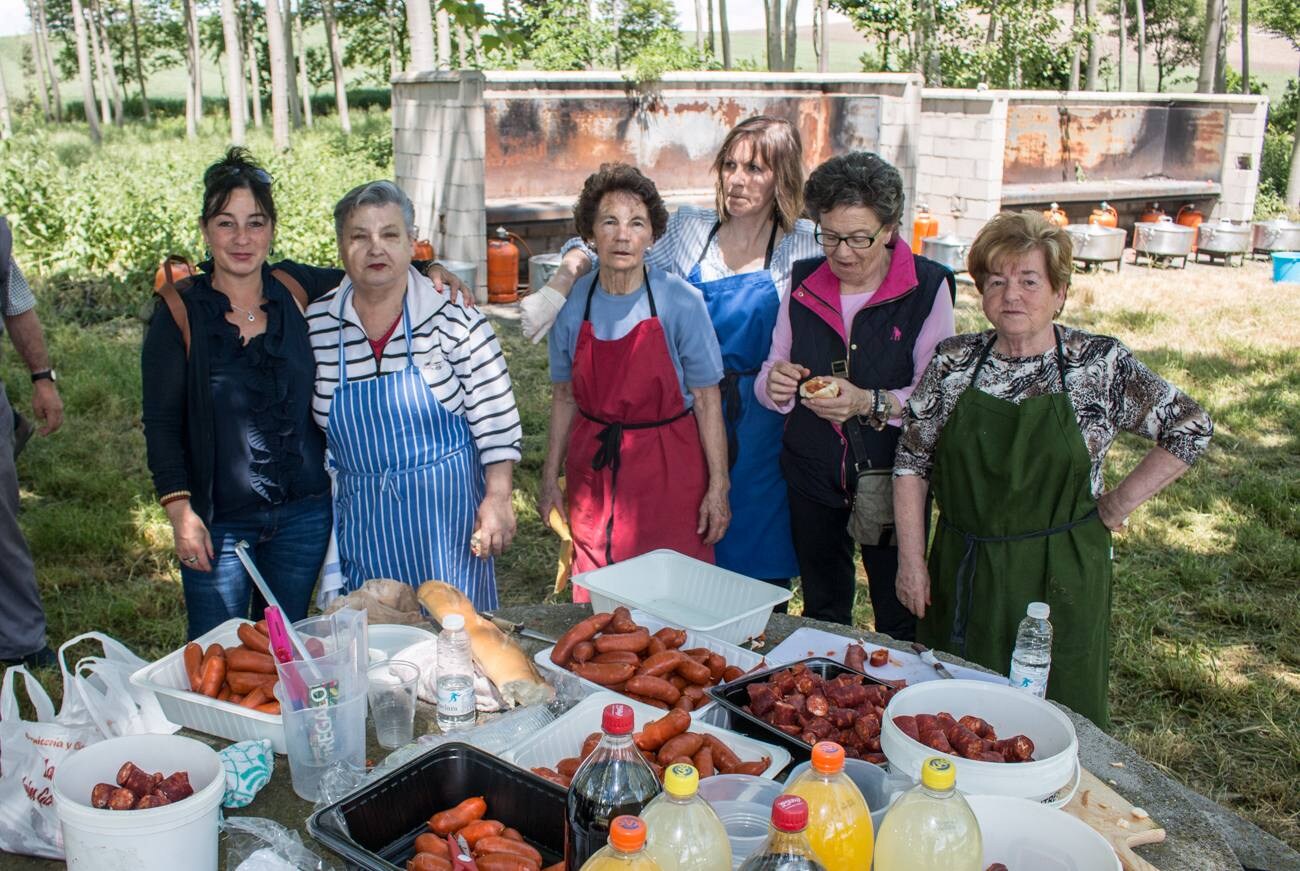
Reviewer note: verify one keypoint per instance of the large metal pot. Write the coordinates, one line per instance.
(1163, 238)
(1276, 235)
(1095, 243)
(950, 250)
(1223, 237)
(540, 269)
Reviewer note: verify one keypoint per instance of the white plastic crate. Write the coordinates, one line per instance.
(170, 683)
(711, 712)
(564, 737)
(687, 592)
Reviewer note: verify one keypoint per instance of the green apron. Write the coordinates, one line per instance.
(1018, 524)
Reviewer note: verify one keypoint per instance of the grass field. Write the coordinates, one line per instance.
(1206, 674)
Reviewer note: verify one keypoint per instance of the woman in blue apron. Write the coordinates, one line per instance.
(739, 255)
(420, 418)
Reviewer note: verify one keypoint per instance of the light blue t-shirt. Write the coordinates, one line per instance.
(692, 344)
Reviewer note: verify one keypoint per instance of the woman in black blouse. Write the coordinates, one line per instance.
(227, 410)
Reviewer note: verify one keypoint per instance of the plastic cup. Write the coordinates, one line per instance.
(392, 701)
(320, 737)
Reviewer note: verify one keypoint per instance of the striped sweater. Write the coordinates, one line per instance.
(454, 347)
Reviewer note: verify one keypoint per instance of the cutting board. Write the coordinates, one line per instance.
(806, 642)
(1111, 815)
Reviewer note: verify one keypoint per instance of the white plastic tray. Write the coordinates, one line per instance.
(806, 642)
(687, 592)
(711, 712)
(169, 682)
(564, 737)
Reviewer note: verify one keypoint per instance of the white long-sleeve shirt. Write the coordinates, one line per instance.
(454, 347)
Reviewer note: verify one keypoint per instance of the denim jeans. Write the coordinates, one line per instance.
(287, 543)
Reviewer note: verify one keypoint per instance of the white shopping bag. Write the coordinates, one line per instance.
(99, 689)
(30, 751)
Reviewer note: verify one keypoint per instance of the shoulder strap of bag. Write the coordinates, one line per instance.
(295, 289)
(9, 699)
(169, 293)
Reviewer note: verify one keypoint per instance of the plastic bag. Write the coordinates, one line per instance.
(30, 752)
(99, 688)
(256, 844)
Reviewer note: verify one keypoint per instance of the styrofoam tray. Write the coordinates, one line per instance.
(687, 592)
(169, 682)
(710, 712)
(806, 642)
(564, 737)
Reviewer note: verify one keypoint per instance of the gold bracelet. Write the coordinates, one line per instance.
(174, 496)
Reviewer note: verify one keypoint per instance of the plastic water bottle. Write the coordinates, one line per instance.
(1032, 658)
(455, 676)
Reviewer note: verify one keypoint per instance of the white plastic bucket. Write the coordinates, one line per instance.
(1024, 834)
(1051, 777)
(148, 840)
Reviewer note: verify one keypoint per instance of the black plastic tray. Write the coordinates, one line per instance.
(376, 827)
(733, 696)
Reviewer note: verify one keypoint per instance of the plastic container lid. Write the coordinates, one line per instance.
(938, 773)
(453, 622)
(681, 780)
(626, 833)
(617, 719)
(789, 814)
(827, 757)
(1039, 610)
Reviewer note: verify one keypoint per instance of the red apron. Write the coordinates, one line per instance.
(635, 469)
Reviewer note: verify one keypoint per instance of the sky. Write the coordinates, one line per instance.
(741, 14)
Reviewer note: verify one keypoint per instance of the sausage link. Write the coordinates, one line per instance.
(724, 757)
(249, 660)
(428, 862)
(732, 672)
(431, 843)
(583, 630)
(653, 687)
(604, 673)
(252, 639)
(660, 664)
(193, 664)
(621, 621)
(694, 672)
(618, 656)
(210, 679)
(686, 744)
(498, 844)
(672, 638)
(703, 762)
(453, 819)
(717, 665)
(632, 641)
(504, 862)
(583, 651)
(657, 732)
(244, 682)
(479, 829)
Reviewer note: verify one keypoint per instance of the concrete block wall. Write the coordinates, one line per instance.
(960, 148)
(1242, 151)
(438, 158)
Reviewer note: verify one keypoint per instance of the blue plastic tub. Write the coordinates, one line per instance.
(1286, 266)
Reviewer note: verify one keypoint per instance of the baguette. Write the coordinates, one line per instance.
(501, 659)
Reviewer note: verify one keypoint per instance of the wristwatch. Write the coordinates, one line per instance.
(45, 375)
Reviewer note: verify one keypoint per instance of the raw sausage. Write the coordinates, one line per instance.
(686, 744)
(621, 621)
(253, 639)
(732, 672)
(657, 732)
(723, 756)
(618, 656)
(604, 673)
(431, 843)
(632, 641)
(248, 660)
(212, 676)
(193, 663)
(480, 829)
(504, 862)
(498, 844)
(583, 651)
(583, 630)
(653, 687)
(660, 664)
(672, 638)
(428, 862)
(454, 819)
(244, 682)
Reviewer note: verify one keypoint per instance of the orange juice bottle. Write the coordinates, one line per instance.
(839, 821)
(625, 850)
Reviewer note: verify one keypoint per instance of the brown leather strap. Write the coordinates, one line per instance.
(170, 294)
(295, 289)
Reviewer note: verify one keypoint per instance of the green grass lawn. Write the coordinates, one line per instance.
(1206, 665)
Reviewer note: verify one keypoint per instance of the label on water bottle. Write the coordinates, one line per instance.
(455, 698)
(1030, 680)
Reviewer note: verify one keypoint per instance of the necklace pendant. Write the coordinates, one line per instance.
(251, 319)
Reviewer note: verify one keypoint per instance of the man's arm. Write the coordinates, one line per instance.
(25, 332)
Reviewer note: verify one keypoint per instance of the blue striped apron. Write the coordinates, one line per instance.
(409, 482)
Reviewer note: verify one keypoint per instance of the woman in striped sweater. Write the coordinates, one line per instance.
(419, 415)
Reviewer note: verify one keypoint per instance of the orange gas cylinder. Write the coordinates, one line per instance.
(1106, 216)
(503, 266)
(1190, 216)
(1152, 215)
(1056, 215)
(924, 225)
(180, 268)
(423, 250)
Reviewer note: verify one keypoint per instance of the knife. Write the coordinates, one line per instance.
(519, 629)
(928, 657)
(461, 857)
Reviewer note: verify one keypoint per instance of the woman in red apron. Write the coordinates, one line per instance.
(636, 413)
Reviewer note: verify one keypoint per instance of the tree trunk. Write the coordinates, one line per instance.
(1245, 46)
(110, 66)
(1221, 54)
(254, 71)
(991, 35)
(336, 66)
(1075, 51)
(303, 83)
(84, 70)
(791, 34)
(726, 34)
(442, 23)
(824, 37)
(96, 52)
(699, 25)
(1293, 178)
(712, 44)
(49, 61)
(290, 73)
(234, 72)
(1209, 48)
(419, 31)
(462, 58)
(1140, 13)
(476, 47)
(38, 62)
(280, 89)
(1094, 55)
(6, 123)
(394, 56)
(139, 65)
(773, 10)
(193, 107)
(1123, 39)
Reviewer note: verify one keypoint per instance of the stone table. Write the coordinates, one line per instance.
(1202, 835)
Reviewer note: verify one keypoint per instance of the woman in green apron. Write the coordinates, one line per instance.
(1010, 427)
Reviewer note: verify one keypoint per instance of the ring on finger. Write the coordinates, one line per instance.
(190, 559)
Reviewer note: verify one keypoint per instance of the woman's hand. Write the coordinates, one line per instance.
(551, 498)
(715, 512)
(852, 401)
(912, 585)
(447, 282)
(192, 541)
(783, 381)
(494, 526)
(1112, 513)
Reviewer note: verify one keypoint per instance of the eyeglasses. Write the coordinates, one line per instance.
(858, 241)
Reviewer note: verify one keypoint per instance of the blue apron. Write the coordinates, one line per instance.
(743, 309)
(409, 482)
